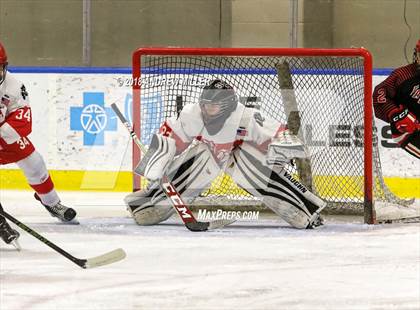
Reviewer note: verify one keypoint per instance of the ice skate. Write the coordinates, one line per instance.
(63, 213)
(316, 222)
(8, 234)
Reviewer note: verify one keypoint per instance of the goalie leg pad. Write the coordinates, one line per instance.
(191, 172)
(149, 206)
(287, 197)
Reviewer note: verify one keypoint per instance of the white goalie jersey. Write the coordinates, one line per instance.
(243, 125)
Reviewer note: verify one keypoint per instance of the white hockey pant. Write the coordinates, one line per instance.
(36, 174)
(191, 172)
(279, 191)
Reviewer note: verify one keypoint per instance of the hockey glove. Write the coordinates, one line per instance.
(284, 148)
(157, 158)
(404, 121)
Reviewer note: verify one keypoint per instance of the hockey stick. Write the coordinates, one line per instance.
(101, 260)
(287, 91)
(170, 191)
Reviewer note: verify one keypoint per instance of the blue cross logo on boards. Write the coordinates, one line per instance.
(93, 119)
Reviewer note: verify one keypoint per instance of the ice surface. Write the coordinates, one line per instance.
(248, 265)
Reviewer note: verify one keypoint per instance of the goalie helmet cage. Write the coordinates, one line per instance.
(324, 95)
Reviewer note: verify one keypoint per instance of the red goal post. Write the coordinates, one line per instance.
(149, 62)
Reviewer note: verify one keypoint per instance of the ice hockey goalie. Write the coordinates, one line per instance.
(220, 133)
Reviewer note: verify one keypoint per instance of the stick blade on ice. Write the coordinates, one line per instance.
(105, 259)
(220, 223)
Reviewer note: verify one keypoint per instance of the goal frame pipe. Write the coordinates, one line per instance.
(369, 213)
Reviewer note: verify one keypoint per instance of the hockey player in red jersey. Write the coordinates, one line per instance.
(16, 147)
(221, 134)
(397, 101)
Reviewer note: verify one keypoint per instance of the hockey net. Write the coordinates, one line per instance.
(323, 95)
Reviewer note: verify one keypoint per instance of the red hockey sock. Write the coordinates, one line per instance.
(43, 188)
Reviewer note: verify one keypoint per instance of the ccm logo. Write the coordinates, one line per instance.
(400, 116)
(177, 201)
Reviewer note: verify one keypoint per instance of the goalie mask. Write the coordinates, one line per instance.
(217, 102)
(3, 63)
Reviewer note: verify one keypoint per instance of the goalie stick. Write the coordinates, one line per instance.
(170, 191)
(287, 91)
(101, 260)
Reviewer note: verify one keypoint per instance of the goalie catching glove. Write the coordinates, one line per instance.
(284, 148)
(157, 158)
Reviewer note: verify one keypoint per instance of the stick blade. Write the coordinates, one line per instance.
(105, 259)
(220, 223)
(197, 226)
(204, 226)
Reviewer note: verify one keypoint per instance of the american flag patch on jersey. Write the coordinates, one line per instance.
(241, 131)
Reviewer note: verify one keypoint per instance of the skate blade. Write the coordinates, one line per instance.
(72, 222)
(16, 244)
